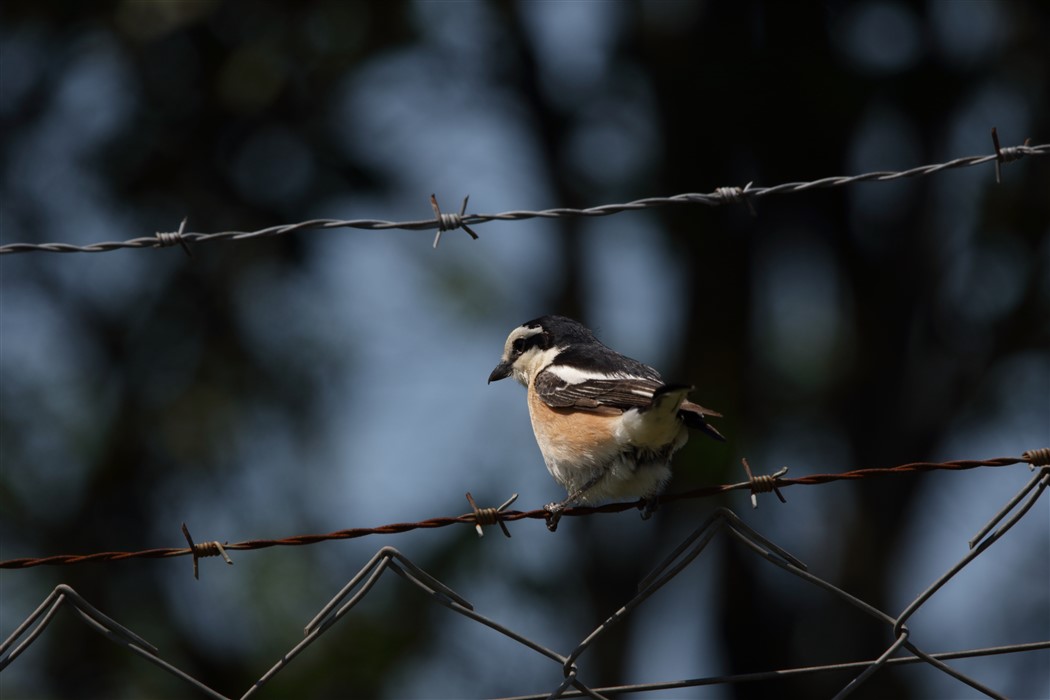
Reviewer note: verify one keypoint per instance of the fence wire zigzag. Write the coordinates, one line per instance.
(446, 221)
(571, 685)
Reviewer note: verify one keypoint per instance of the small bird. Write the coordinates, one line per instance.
(607, 425)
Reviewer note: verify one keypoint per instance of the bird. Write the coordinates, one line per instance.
(606, 424)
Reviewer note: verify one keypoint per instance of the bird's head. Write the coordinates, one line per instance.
(534, 344)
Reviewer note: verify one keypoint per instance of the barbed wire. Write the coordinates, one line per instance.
(722, 521)
(446, 221)
(493, 516)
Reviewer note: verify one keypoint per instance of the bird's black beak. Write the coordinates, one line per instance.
(502, 371)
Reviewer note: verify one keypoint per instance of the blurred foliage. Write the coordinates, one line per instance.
(860, 325)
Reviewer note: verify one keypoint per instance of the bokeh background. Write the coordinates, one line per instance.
(334, 379)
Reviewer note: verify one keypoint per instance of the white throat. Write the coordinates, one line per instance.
(526, 367)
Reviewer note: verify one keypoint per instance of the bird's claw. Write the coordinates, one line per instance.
(649, 506)
(554, 511)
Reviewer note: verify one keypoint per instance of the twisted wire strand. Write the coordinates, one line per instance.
(448, 221)
(504, 516)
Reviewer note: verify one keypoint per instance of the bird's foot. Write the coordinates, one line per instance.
(554, 511)
(649, 506)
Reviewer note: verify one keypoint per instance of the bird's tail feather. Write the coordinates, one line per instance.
(671, 398)
(668, 398)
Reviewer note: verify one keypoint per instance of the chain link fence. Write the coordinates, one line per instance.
(573, 663)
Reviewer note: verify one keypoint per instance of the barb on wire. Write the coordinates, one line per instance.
(763, 483)
(169, 238)
(735, 195)
(503, 516)
(1037, 458)
(1005, 155)
(450, 221)
(204, 549)
(490, 516)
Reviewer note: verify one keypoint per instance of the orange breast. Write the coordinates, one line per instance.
(571, 435)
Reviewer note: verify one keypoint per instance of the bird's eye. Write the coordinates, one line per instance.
(518, 345)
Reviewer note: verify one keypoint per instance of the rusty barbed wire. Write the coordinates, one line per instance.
(722, 521)
(500, 516)
(444, 221)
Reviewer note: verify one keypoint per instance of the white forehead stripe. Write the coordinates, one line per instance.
(525, 332)
(519, 332)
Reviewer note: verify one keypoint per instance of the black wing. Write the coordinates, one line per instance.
(619, 393)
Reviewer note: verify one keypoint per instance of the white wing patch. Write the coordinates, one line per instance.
(575, 375)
